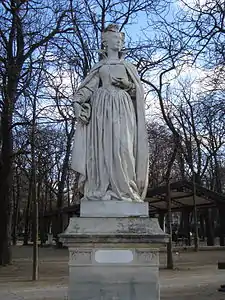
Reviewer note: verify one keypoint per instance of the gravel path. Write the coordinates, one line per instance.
(200, 285)
(192, 278)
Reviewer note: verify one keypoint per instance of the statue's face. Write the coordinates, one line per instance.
(114, 41)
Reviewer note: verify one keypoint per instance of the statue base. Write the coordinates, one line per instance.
(114, 257)
(113, 208)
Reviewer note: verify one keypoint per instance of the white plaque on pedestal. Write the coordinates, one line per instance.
(113, 256)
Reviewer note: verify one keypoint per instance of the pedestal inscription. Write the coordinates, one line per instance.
(113, 256)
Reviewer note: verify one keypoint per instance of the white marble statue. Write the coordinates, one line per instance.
(110, 150)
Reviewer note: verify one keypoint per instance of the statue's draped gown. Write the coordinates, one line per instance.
(111, 137)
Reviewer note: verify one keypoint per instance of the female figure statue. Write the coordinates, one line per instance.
(110, 150)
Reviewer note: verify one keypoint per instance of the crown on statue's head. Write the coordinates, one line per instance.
(112, 28)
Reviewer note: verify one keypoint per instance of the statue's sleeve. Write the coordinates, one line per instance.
(90, 85)
(133, 74)
(132, 88)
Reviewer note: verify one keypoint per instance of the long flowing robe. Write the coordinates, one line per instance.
(102, 153)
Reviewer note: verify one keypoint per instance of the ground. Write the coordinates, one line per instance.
(195, 275)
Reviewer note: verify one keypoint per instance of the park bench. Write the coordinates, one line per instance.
(221, 266)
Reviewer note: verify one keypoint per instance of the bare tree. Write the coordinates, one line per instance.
(23, 31)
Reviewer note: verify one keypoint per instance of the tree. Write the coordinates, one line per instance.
(203, 23)
(23, 32)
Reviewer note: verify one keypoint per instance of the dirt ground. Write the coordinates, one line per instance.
(195, 275)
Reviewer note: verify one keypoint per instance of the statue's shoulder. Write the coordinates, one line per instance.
(131, 68)
(130, 65)
(97, 65)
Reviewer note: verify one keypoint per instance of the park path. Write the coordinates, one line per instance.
(196, 276)
(200, 284)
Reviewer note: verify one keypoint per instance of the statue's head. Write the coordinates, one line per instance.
(112, 38)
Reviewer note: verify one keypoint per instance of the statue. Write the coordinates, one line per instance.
(110, 150)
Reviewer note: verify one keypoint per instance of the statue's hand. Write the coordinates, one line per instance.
(121, 83)
(85, 113)
(77, 109)
(82, 112)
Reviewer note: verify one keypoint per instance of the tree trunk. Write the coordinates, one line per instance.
(16, 199)
(60, 196)
(187, 227)
(5, 224)
(27, 217)
(169, 228)
(5, 185)
(202, 226)
(14, 215)
(209, 228)
(195, 216)
(42, 225)
(222, 224)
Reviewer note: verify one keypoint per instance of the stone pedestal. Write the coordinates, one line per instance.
(113, 252)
